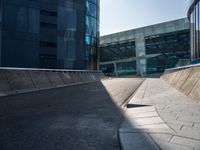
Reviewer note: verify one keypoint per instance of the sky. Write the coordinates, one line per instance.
(121, 15)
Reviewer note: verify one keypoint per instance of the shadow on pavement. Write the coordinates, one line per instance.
(83, 117)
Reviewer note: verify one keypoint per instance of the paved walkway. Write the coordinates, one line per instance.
(160, 117)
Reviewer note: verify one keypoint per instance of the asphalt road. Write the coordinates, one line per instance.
(83, 117)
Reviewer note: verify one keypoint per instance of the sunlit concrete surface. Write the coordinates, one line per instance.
(163, 114)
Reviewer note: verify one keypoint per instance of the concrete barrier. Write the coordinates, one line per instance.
(184, 76)
(54, 78)
(186, 80)
(66, 77)
(176, 78)
(75, 77)
(5, 85)
(19, 80)
(40, 80)
(191, 81)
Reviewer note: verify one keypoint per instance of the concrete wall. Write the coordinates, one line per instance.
(13, 81)
(186, 80)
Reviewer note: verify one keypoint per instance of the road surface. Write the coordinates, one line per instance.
(82, 117)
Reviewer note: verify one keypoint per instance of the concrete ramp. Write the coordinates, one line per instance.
(19, 80)
(185, 79)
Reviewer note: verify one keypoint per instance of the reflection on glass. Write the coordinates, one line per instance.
(93, 1)
(91, 9)
(91, 26)
(92, 32)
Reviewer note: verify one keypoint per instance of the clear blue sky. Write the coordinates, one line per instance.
(121, 15)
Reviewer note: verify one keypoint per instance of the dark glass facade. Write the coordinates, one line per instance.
(169, 49)
(50, 34)
(92, 33)
(194, 17)
(116, 51)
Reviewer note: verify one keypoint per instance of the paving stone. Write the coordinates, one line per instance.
(171, 146)
(135, 141)
(191, 132)
(161, 136)
(142, 115)
(148, 121)
(156, 128)
(175, 126)
(189, 118)
(185, 141)
(196, 125)
(190, 124)
(168, 118)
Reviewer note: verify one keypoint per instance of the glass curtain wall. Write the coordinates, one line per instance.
(194, 16)
(117, 51)
(170, 49)
(92, 33)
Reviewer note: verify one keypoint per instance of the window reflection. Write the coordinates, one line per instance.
(91, 9)
(92, 32)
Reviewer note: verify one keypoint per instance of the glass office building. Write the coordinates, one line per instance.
(60, 34)
(146, 50)
(194, 17)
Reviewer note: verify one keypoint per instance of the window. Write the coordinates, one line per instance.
(44, 56)
(48, 44)
(48, 25)
(48, 13)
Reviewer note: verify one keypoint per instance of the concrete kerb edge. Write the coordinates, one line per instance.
(124, 108)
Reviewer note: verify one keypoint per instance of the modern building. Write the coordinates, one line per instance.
(146, 50)
(49, 33)
(194, 17)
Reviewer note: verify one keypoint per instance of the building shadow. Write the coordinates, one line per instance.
(81, 117)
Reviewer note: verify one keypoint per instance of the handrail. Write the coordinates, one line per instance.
(44, 69)
(180, 68)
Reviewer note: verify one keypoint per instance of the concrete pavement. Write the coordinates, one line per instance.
(81, 117)
(160, 117)
(88, 116)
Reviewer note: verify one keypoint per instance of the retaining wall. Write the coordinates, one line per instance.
(185, 79)
(19, 80)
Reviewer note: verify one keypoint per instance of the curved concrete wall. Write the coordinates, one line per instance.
(18, 80)
(186, 80)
